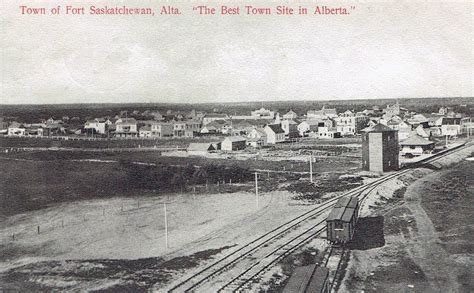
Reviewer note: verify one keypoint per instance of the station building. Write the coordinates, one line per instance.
(380, 149)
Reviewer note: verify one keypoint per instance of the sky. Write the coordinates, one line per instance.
(381, 50)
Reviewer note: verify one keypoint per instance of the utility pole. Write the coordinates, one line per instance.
(166, 225)
(311, 168)
(256, 188)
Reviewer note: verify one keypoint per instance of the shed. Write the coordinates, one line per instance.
(233, 143)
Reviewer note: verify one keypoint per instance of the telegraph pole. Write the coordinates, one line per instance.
(256, 188)
(311, 168)
(166, 225)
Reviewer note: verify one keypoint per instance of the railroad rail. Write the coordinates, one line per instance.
(267, 250)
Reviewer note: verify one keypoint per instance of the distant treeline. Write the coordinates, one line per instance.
(164, 177)
(34, 113)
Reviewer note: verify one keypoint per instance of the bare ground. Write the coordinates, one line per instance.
(428, 234)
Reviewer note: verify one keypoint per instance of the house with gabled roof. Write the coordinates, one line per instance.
(126, 127)
(145, 131)
(16, 129)
(290, 115)
(308, 126)
(98, 125)
(275, 133)
(404, 129)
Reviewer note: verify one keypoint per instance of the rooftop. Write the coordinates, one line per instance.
(414, 140)
(276, 128)
(378, 128)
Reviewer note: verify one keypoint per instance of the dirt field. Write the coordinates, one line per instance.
(88, 222)
(428, 238)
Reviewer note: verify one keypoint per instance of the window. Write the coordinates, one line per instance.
(338, 225)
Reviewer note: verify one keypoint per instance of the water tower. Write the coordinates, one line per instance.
(380, 149)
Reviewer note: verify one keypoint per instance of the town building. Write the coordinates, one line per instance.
(193, 126)
(257, 137)
(403, 128)
(34, 130)
(380, 149)
(213, 127)
(275, 133)
(179, 129)
(233, 143)
(327, 132)
(208, 118)
(349, 123)
(467, 126)
(290, 115)
(450, 126)
(305, 128)
(145, 131)
(392, 110)
(16, 129)
(324, 113)
(290, 127)
(126, 127)
(416, 145)
(98, 125)
(161, 129)
(262, 113)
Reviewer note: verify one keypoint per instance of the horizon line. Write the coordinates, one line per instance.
(232, 102)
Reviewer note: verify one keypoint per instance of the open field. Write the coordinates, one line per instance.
(91, 234)
(85, 212)
(46, 142)
(34, 179)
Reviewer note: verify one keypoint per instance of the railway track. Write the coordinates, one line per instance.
(265, 251)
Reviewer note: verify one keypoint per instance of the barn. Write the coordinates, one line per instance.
(342, 220)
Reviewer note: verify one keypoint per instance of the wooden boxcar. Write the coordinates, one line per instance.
(311, 278)
(342, 220)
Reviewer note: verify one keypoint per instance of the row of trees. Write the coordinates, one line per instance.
(164, 177)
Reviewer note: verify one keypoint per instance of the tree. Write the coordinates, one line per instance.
(200, 174)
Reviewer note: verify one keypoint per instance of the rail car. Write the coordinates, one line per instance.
(342, 220)
(311, 278)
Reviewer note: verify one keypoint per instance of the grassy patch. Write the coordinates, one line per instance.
(308, 191)
(135, 275)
